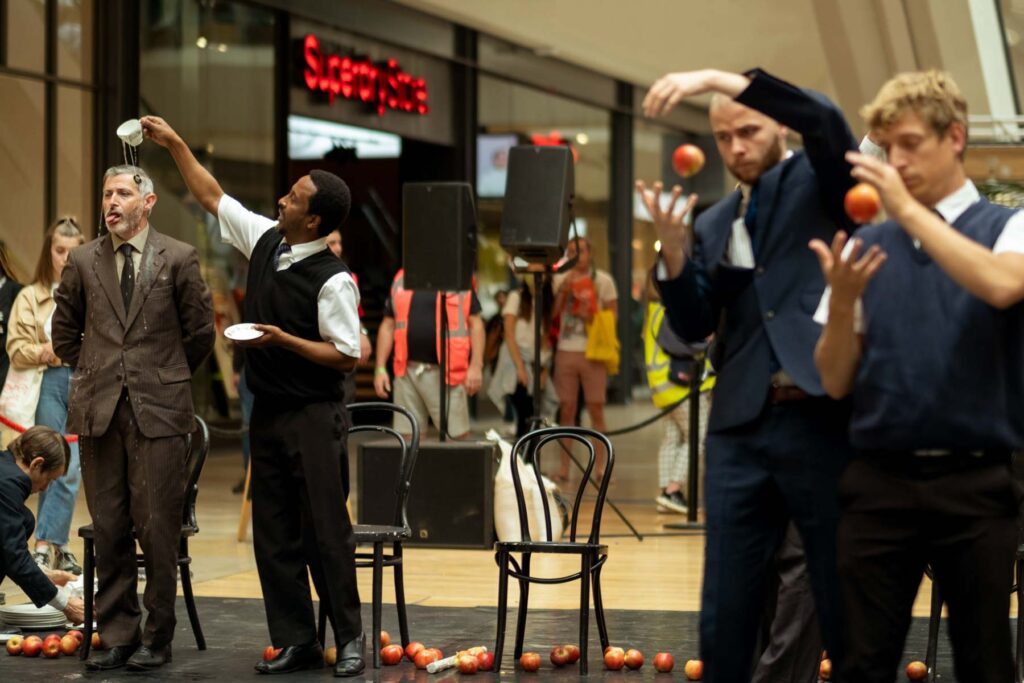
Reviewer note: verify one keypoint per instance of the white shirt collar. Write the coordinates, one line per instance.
(301, 251)
(953, 205)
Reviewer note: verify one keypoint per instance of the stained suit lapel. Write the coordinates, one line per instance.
(150, 265)
(106, 272)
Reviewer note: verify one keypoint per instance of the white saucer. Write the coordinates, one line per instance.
(242, 332)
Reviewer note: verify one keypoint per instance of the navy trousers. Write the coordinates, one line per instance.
(784, 465)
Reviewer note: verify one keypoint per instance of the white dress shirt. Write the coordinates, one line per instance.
(338, 300)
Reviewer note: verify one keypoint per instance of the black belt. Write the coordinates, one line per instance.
(937, 462)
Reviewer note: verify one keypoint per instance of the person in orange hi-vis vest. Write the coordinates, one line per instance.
(411, 327)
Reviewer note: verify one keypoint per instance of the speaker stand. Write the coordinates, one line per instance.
(539, 271)
(442, 363)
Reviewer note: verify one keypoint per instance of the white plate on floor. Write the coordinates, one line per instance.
(242, 332)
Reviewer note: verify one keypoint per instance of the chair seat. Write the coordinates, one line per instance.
(368, 533)
(88, 531)
(564, 547)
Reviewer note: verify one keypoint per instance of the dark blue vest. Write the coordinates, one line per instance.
(941, 369)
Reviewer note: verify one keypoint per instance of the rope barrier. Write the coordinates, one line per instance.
(70, 438)
(654, 418)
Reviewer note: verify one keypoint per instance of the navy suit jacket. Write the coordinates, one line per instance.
(769, 308)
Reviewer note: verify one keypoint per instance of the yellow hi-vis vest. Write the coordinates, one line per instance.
(664, 392)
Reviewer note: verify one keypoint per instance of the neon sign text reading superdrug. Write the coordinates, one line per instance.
(382, 84)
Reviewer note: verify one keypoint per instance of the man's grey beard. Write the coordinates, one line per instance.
(129, 224)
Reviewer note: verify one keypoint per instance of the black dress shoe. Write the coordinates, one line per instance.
(350, 657)
(294, 658)
(114, 658)
(146, 658)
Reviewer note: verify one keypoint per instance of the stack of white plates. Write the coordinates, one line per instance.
(30, 617)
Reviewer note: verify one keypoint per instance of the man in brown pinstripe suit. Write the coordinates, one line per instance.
(135, 319)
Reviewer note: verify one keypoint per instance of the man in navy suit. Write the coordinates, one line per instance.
(776, 444)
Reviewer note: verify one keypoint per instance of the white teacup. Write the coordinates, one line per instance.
(131, 132)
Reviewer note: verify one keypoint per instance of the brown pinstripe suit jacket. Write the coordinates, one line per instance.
(153, 347)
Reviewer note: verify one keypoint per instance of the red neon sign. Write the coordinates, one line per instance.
(383, 85)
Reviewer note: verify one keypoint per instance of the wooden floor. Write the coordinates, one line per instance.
(663, 571)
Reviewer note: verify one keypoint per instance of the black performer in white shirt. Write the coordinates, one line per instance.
(305, 302)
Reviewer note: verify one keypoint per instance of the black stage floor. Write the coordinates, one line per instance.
(236, 634)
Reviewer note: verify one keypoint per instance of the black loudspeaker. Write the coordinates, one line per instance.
(439, 236)
(451, 498)
(539, 194)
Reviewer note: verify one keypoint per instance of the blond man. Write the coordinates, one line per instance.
(923, 326)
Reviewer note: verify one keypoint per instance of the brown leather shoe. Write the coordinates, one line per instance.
(114, 658)
(147, 658)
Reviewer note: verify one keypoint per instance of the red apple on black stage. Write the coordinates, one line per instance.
(391, 654)
(424, 657)
(14, 645)
(614, 658)
(485, 661)
(467, 664)
(694, 670)
(634, 659)
(331, 656)
(51, 647)
(32, 646)
(69, 645)
(560, 656)
(574, 653)
(663, 662)
(825, 670)
(270, 653)
(917, 671)
(385, 638)
(77, 634)
(96, 643)
(530, 661)
(413, 648)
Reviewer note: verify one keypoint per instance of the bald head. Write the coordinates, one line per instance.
(750, 142)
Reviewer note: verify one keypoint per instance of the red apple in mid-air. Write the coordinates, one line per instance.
(614, 658)
(663, 662)
(530, 661)
(862, 203)
(69, 644)
(688, 160)
(560, 656)
(32, 646)
(917, 671)
(385, 638)
(825, 670)
(574, 653)
(413, 648)
(467, 664)
(634, 659)
(485, 661)
(14, 645)
(270, 653)
(391, 654)
(694, 670)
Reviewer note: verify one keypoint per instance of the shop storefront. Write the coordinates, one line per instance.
(378, 93)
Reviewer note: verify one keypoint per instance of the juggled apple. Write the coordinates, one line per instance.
(688, 160)
(862, 203)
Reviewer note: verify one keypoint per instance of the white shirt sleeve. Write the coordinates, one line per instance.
(60, 601)
(338, 314)
(1011, 240)
(821, 313)
(240, 227)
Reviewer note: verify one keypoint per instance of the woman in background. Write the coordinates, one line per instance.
(29, 346)
(9, 288)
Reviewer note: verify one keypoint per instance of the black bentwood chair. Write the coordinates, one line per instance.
(196, 448)
(592, 553)
(379, 534)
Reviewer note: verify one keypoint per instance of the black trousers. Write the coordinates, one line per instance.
(299, 488)
(901, 512)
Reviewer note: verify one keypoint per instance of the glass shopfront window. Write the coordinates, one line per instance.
(22, 220)
(512, 114)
